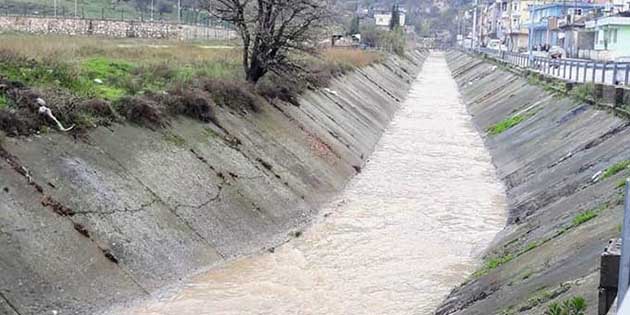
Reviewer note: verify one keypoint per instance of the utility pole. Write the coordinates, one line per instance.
(624, 263)
(530, 37)
(474, 26)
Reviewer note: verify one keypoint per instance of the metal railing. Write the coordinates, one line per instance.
(575, 70)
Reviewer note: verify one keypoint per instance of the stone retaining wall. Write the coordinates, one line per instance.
(109, 28)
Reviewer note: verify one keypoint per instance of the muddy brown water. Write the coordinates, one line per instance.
(406, 230)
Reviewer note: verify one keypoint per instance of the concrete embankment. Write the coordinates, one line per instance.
(562, 162)
(87, 223)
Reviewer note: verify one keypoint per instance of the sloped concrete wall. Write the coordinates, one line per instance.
(551, 164)
(88, 223)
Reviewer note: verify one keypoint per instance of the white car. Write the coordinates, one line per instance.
(496, 44)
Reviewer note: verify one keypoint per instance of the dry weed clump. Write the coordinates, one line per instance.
(354, 57)
(193, 103)
(142, 111)
(234, 95)
(273, 86)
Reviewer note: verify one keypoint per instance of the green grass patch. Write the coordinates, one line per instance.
(616, 168)
(578, 220)
(506, 124)
(175, 139)
(109, 93)
(210, 133)
(584, 217)
(4, 101)
(106, 68)
(492, 264)
(530, 246)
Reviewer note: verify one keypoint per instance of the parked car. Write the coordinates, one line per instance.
(496, 44)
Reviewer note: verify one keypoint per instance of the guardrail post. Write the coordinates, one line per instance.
(570, 70)
(564, 69)
(604, 66)
(585, 70)
(594, 70)
(624, 263)
(627, 74)
(614, 78)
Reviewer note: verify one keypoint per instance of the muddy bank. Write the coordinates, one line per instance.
(561, 161)
(88, 223)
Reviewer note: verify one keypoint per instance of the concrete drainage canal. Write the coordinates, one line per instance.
(406, 230)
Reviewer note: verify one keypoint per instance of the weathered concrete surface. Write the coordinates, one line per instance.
(88, 223)
(548, 163)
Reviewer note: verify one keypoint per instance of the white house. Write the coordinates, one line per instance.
(383, 18)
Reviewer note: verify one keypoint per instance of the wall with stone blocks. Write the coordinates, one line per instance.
(115, 29)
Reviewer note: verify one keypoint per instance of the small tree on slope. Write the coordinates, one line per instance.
(272, 29)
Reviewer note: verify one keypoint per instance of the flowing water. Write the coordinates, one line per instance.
(406, 230)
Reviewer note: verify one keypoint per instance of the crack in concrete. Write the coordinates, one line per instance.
(6, 300)
(170, 209)
(379, 86)
(64, 212)
(217, 197)
(142, 208)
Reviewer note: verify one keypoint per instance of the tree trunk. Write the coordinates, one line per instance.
(255, 71)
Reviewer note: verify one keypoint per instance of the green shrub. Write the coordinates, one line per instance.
(393, 41)
(583, 92)
(573, 306)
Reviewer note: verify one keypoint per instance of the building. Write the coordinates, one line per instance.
(383, 17)
(517, 32)
(611, 37)
(544, 28)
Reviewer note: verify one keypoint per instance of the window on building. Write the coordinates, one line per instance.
(504, 6)
(578, 11)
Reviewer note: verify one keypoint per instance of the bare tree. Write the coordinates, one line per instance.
(272, 29)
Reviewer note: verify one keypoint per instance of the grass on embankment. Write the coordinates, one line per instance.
(509, 123)
(492, 263)
(90, 81)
